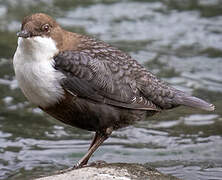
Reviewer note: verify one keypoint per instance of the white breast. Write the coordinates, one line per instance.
(33, 64)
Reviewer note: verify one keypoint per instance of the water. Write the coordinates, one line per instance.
(180, 41)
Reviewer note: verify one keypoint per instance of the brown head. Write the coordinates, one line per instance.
(40, 24)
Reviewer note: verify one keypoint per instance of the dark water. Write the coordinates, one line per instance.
(180, 41)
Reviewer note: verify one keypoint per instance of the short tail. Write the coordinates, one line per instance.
(192, 101)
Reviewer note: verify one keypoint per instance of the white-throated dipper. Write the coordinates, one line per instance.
(87, 83)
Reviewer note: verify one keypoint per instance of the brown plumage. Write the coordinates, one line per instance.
(104, 88)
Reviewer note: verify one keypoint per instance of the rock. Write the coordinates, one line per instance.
(116, 171)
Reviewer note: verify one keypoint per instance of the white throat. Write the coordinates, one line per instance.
(33, 63)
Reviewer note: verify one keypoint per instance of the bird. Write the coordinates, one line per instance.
(87, 83)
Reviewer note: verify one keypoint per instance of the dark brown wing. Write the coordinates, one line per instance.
(100, 80)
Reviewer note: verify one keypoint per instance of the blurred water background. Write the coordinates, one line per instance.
(178, 40)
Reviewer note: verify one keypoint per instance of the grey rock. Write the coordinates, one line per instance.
(116, 171)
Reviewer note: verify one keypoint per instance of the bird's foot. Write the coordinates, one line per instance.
(78, 166)
(63, 171)
(97, 163)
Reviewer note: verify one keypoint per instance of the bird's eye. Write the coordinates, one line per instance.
(45, 27)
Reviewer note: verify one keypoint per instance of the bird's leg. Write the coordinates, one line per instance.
(98, 139)
(95, 137)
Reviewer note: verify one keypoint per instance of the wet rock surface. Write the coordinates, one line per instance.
(117, 171)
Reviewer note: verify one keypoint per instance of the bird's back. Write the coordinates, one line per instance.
(121, 80)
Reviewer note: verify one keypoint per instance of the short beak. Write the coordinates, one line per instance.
(24, 34)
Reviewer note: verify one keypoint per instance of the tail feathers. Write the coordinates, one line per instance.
(195, 102)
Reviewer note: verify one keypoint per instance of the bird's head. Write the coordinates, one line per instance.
(38, 25)
(40, 30)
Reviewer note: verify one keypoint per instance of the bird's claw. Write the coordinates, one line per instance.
(63, 171)
(92, 164)
(97, 163)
